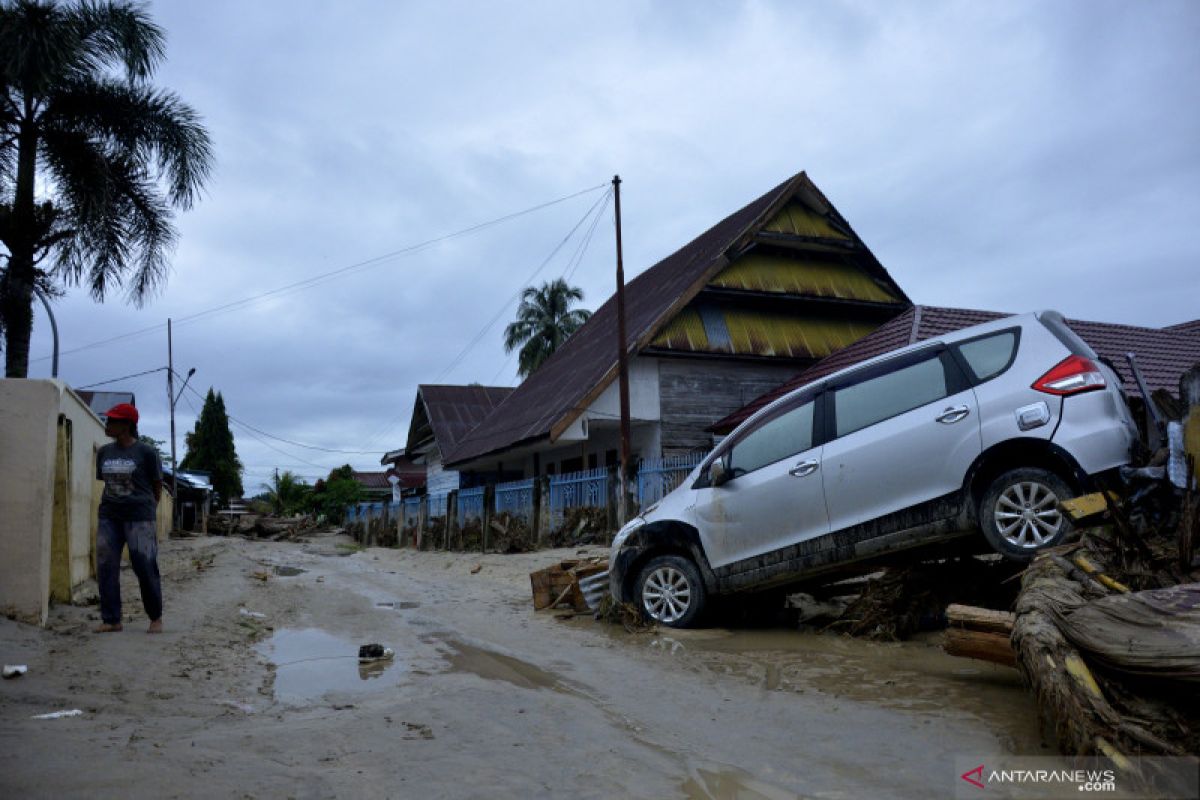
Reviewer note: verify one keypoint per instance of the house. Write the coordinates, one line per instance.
(100, 402)
(442, 416)
(1162, 354)
(774, 287)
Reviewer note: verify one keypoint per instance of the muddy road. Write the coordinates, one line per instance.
(255, 691)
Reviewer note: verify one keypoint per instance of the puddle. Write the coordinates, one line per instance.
(400, 605)
(493, 666)
(731, 784)
(289, 572)
(310, 663)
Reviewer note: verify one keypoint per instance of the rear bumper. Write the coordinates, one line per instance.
(1095, 432)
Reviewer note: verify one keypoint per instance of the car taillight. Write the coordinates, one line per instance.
(1072, 375)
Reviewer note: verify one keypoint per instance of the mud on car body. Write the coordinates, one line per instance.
(984, 431)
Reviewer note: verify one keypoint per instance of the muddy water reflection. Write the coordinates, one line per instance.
(731, 784)
(311, 663)
(913, 676)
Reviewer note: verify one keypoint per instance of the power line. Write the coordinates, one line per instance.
(391, 424)
(122, 378)
(316, 279)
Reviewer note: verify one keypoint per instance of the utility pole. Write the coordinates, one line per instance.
(171, 402)
(622, 363)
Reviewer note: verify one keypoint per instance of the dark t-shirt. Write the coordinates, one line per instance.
(129, 475)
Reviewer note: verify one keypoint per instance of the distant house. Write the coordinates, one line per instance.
(442, 416)
(774, 287)
(100, 402)
(374, 485)
(1162, 354)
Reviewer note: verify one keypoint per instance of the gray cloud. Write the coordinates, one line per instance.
(1009, 156)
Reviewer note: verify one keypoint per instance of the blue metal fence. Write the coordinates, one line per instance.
(657, 477)
(470, 504)
(586, 489)
(515, 498)
(437, 504)
(411, 512)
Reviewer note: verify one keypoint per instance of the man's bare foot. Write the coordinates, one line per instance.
(155, 627)
(106, 628)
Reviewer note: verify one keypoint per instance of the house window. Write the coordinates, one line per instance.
(593, 460)
(572, 464)
(611, 459)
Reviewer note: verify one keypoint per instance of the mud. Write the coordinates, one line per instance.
(484, 697)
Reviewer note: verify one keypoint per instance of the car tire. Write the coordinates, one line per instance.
(669, 591)
(1019, 513)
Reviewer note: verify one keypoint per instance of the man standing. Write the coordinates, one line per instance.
(132, 475)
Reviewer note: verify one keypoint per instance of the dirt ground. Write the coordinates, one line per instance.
(255, 691)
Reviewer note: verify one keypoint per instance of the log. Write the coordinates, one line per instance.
(985, 620)
(993, 647)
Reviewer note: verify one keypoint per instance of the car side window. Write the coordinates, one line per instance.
(890, 394)
(989, 356)
(785, 435)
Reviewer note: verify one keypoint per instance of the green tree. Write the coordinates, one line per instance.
(93, 158)
(210, 448)
(159, 445)
(331, 496)
(544, 321)
(286, 493)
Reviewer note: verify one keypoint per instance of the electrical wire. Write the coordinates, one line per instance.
(123, 378)
(317, 279)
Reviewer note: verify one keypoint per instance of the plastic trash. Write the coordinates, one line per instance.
(74, 712)
(245, 612)
(374, 652)
(14, 671)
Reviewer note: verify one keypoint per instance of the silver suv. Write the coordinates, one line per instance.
(984, 429)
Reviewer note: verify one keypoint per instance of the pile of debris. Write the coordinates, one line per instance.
(583, 525)
(510, 533)
(275, 529)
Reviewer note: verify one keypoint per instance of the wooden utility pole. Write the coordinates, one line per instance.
(622, 363)
(171, 404)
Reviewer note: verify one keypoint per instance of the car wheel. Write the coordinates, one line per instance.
(669, 591)
(1019, 514)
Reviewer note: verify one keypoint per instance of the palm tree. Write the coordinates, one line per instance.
(93, 158)
(544, 321)
(286, 493)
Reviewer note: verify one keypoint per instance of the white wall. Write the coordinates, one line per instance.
(438, 480)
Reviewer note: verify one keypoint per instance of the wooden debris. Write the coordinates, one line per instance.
(993, 647)
(560, 583)
(1088, 505)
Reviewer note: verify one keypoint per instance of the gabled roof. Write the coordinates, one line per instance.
(100, 402)
(1187, 327)
(1163, 354)
(445, 414)
(586, 364)
(372, 480)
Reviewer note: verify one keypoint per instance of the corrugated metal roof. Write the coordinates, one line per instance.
(452, 411)
(760, 333)
(1163, 354)
(770, 272)
(586, 363)
(100, 402)
(797, 219)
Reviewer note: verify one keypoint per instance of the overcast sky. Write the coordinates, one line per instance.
(1008, 156)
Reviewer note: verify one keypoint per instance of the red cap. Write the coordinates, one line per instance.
(122, 411)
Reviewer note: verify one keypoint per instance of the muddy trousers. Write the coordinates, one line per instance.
(142, 538)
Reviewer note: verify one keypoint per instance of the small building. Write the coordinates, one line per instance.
(442, 416)
(774, 287)
(1162, 354)
(101, 402)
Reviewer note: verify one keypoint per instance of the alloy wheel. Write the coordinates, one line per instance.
(1027, 514)
(666, 594)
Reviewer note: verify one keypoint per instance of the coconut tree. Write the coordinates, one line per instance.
(544, 321)
(93, 158)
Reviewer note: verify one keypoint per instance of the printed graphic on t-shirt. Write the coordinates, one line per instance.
(118, 476)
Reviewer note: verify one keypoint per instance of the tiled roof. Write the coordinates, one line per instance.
(1163, 354)
(1192, 327)
(586, 364)
(372, 480)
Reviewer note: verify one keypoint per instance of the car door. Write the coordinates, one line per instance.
(774, 497)
(899, 434)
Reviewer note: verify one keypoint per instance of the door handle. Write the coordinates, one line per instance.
(804, 468)
(953, 414)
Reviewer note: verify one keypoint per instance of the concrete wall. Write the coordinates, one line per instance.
(48, 495)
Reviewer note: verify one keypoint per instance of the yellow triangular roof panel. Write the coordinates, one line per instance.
(800, 220)
(780, 274)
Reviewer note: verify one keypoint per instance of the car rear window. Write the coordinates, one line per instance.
(989, 356)
(888, 395)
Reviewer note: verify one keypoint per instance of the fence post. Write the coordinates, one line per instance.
(451, 517)
(489, 506)
(614, 491)
(541, 510)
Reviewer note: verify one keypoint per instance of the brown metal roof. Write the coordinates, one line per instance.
(448, 413)
(1163, 354)
(372, 480)
(586, 364)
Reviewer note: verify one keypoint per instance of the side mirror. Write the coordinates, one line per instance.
(717, 474)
